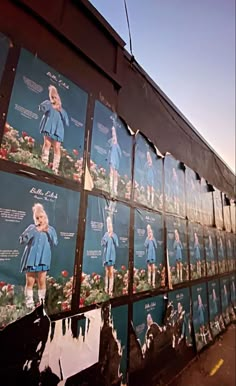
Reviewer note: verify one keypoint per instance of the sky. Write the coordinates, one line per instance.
(188, 48)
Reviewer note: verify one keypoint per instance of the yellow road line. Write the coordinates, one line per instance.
(216, 367)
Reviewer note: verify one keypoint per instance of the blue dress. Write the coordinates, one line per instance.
(201, 319)
(37, 253)
(197, 254)
(53, 121)
(149, 173)
(110, 244)
(178, 250)
(150, 246)
(115, 156)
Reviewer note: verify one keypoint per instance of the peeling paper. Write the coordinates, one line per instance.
(130, 130)
(158, 152)
(66, 355)
(88, 183)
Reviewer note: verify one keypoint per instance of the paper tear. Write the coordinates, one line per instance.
(130, 130)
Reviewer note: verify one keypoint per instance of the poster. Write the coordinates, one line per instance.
(218, 209)
(227, 214)
(148, 318)
(222, 255)
(4, 48)
(181, 321)
(193, 195)
(38, 231)
(196, 251)
(225, 299)
(230, 248)
(45, 122)
(210, 250)
(149, 264)
(216, 320)
(174, 186)
(177, 250)
(200, 315)
(111, 153)
(106, 251)
(233, 215)
(206, 203)
(147, 174)
(232, 279)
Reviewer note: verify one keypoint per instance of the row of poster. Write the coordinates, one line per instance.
(38, 255)
(45, 130)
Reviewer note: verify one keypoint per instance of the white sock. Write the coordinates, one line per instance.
(149, 277)
(41, 295)
(29, 300)
(56, 163)
(106, 284)
(45, 156)
(153, 278)
(111, 283)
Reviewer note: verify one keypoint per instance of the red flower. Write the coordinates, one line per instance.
(81, 302)
(24, 134)
(31, 140)
(2, 283)
(75, 152)
(64, 273)
(3, 153)
(65, 306)
(123, 267)
(94, 274)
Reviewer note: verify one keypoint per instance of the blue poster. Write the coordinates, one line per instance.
(210, 250)
(38, 231)
(45, 122)
(206, 217)
(218, 209)
(227, 215)
(4, 48)
(225, 299)
(233, 215)
(148, 318)
(177, 250)
(232, 279)
(222, 255)
(216, 319)
(111, 153)
(106, 251)
(149, 265)
(196, 251)
(180, 302)
(230, 250)
(193, 195)
(200, 315)
(147, 174)
(174, 186)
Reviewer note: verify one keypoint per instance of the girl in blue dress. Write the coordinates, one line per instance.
(221, 255)
(114, 161)
(52, 126)
(110, 243)
(175, 190)
(211, 255)
(151, 246)
(149, 175)
(36, 259)
(197, 254)
(214, 300)
(178, 256)
(201, 318)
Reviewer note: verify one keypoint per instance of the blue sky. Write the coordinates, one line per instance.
(188, 49)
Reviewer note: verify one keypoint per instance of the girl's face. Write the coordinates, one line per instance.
(176, 236)
(40, 219)
(195, 236)
(150, 233)
(199, 300)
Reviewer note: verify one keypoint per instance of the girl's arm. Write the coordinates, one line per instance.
(64, 117)
(115, 239)
(27, 234)
(154, 242)
(104, 239)
(45, 106)
(52, 236)
(146, 242)
(119, 150)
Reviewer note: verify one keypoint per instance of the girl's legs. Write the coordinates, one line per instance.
(149, 273)
(111, 179)
(106, 280)
(199, 268)
(115, 181)
(177, 270)
(153, 268)
(57, 156)
(213, 266)
(46, 149)
(180, 271)
(152, 195)
(111, 279)
(42, 286)
(30, 280)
